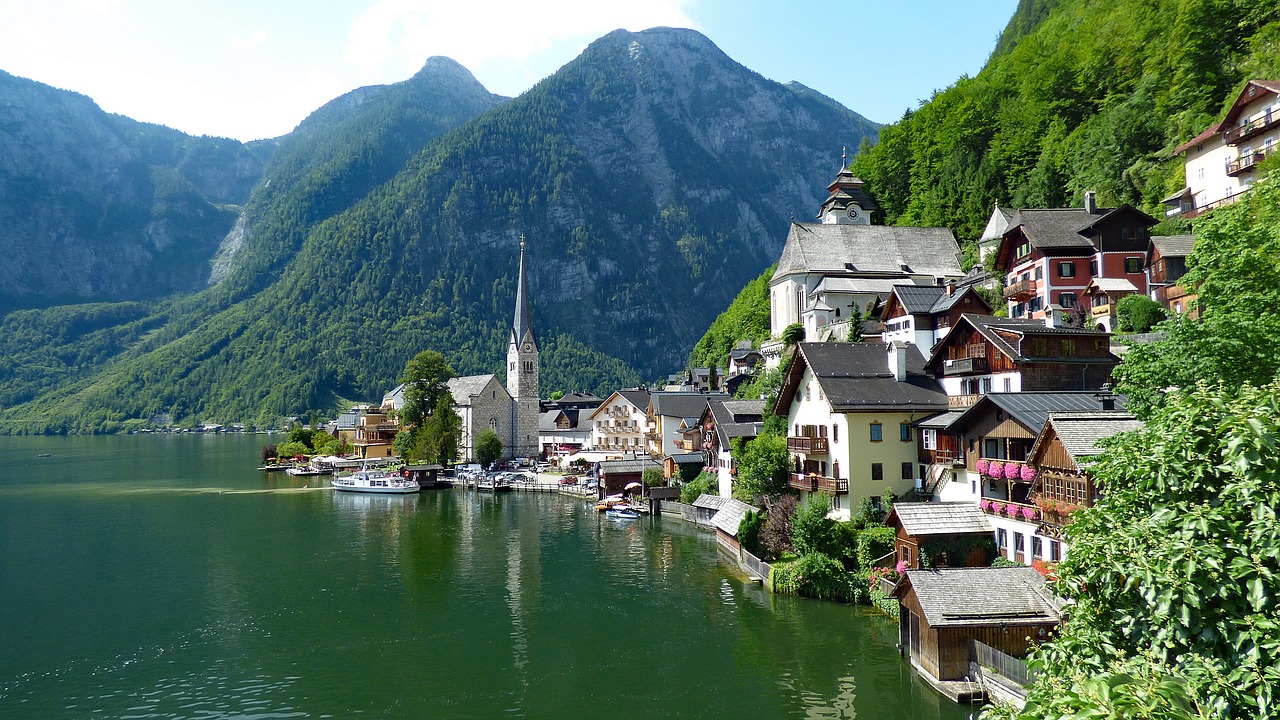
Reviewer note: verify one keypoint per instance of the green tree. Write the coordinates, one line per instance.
(762, 466)
(705, 483)
(812, 530)
(792, 334)
(652, 477)
(488, 447)
(1138, 313)
(425, 379)
(293, 449)
(1174, 576)
(437, 440)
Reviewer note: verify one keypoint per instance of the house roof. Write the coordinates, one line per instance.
(856, 285)
(1031, 408)
(579, 399)
(946, 518)
(869, 250)
(941, 421)
(1173, 245)
(1079, 432)
(932, 299)
(394, 397)
(988, 326)
(954, 597)
(683, 404)
(1113, 285)
(730, 515)
(464, 388)
(688, 458)
(996, 225)
(628, 466)
(737, 418)
(710, 502)
(855, 377)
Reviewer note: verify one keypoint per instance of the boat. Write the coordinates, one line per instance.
(375, 481)
(274, 467)
(622, 513)
(611, 502)
(495, 484)
(307, 471)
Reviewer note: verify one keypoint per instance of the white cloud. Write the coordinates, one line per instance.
(398, 35)
(248, 42)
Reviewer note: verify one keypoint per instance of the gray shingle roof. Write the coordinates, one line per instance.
(948, 518)
(941, 421)
(683, 404)
(1056, 227)
(628, 466)
(1174, 245)
(871, 249)
(463, 388)
(737, 418)
(951, 597)
(639, 398)
(730, 516)
(856, 376)
(930, 299)
(1080, 432)
(858, 285)
(710, 502)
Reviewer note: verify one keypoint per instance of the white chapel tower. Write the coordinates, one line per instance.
(522, 374)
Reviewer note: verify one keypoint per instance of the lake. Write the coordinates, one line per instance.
(162, 576)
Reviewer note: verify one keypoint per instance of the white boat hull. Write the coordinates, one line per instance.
(379, 483)
(390, 490)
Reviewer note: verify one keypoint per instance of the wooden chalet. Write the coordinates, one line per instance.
(936, 534)
(923, 314)
(984, 354)
(1166, 264)
(946, 613)
(1059, 456)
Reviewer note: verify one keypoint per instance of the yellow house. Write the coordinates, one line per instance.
(850, 409)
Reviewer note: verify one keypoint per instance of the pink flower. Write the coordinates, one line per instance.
(995, 469)
(985, 505)
(997, 507)
(981, 466)
(901, 567)
(1028, 514)
(1012, 471)
(1028, 473)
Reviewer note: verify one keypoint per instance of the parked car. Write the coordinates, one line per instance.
(569, 480)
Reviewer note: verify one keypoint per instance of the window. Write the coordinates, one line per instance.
(906, 554)
(1066, 269)
(986, 385)
(1008, 384)
(1002, 540)
(991, 448)
(1017, 542)
(1093, 267)
(877, 471)
(1037, 544)
(1068, 347)
(877, 433)
(1039, 273)
(835, 432)
(930, 439)
(908, 470)
(1133, 265)
(835, 470)
(1055, 553)
(1067, 300)
(904, 432)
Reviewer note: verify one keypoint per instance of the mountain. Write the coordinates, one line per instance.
(651, 176)
(1078, 95)
(95, 206)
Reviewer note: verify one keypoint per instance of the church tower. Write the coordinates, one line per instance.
(847, 203)
(522, 374)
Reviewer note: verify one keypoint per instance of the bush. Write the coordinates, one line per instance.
(811, 530)
(873, 543)
(1138, 313)
(292, 449)
(652, 477)
(818, 576)
(704, 484)
(749, 532)
(775, 536)
(268, 453)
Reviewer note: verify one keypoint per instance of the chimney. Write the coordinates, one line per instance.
(1090, 202)
(898, 360)
(951, 288)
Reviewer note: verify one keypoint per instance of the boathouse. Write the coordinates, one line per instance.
(950, 534)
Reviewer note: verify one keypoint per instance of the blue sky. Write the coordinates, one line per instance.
(251, 69)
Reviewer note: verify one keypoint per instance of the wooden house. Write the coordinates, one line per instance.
(1101, 298)
(944, 612)
(1166, 264)
(923, 314)
(939, 534)
(1066, 442)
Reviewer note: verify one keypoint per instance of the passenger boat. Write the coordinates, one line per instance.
(375, 481)
(494, 483)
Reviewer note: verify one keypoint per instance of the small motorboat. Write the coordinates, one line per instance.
(495, 484)
(622, 513)
(375, 481)
(306, 471)
(274, 467)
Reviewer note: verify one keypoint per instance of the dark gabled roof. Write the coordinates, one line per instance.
(688, 458)
(683, 404)
(987, 325)
(932, 299)
(639, 398)
(628, 466)
(1247, 95)
(737, 418)
(947, 518)
(869, 249)
(1208, 133)
(468, 386)
(1054, 227)
(729, 516)
(1173, 245)
(856, 377)
(1031, 409)
(952, 597)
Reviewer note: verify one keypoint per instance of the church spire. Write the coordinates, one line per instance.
(524, 317)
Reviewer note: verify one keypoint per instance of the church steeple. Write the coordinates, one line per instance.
(524, 317)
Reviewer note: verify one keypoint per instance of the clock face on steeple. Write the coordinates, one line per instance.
(852, 212)
(528, 347)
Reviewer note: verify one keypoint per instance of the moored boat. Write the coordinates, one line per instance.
(375, 481)
(623, 513)
(274, 467)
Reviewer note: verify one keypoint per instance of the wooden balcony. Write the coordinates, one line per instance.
(1020, 290)
(961, 401)
(815, 483)
(1102, 310)
(1255, 126)
(1021, 512)
(1245, 163)
(965, 366)
(808, 445)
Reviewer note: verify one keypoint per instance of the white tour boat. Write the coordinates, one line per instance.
(375, 481)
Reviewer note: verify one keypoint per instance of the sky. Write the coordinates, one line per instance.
(251, 69)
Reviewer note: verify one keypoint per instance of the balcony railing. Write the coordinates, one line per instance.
(1251, 128)
(1019, 290)
(814, 483)
(961, 401)
(808, 445)
(1245, 163)
(964, 366)
(1022, 512)
(1101, 310)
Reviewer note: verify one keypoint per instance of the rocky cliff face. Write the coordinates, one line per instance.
(95, 206)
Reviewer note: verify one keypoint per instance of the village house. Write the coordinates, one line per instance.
(374, 432)
(563, 431)
(924, 314)
(947, 534)
(1060, 457)
(985, 354)
(1100, 299)
(1166, 264)
(671, 413)
(996, 436)
(1220, 163)
(850, 409)
(621, 423)
(951, 617)
(842, 267)
(720, 423)
(617, 475)
(1049, 256)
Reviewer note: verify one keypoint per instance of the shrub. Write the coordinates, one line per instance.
(749, 532)
(811, 530)
(268, 453)
(1138, 313)
(652, 477)
(819, 576)
(775, 536)
(292, 449)
(873, 543)
(704, 484)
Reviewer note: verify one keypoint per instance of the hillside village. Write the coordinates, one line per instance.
(904, 388)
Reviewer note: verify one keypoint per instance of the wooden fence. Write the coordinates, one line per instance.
(1007, 666)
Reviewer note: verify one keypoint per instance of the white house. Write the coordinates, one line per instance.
(621, 423)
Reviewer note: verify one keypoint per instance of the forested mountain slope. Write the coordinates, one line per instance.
(651, 177)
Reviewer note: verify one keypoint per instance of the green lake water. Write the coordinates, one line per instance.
(164, 577)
